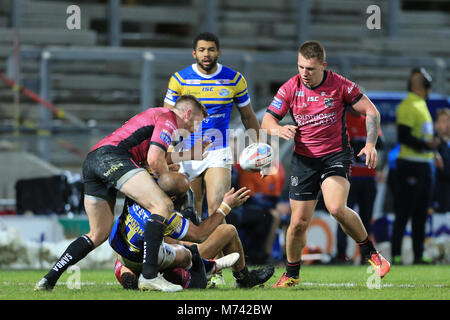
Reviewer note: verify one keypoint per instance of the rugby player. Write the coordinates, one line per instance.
(317, 99)
(115, 164)
(126, 237)
(218, 88)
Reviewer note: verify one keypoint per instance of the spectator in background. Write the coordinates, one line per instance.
(363, 180)
(417, 145)
(441, 195)
(258, 220)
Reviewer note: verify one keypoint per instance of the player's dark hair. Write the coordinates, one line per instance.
(194, 101)
(426, 78)
(313, 49)
(206, 36)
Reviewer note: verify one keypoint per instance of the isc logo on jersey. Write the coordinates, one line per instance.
(313, 99)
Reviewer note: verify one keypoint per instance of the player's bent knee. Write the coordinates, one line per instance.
(229, 229)
(162, 207)
(299, 226)
(338, 212)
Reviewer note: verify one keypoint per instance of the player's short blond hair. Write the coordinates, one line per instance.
(194, 101)
(313, 49)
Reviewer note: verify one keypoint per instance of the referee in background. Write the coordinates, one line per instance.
(415, 135)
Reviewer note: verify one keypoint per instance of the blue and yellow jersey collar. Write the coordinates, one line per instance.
(207, 76)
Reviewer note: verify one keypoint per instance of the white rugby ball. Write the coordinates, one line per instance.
(256, 157)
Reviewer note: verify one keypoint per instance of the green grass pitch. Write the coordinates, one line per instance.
(318, 283)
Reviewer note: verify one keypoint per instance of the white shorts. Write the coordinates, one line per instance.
(166, 256)
(219, 158)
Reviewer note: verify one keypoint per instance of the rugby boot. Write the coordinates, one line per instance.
(216, 280)
(43, 285)
(214, 276)
(380, 264)
(226, 261)
(286, 282)
(256, 277)
(158, 284)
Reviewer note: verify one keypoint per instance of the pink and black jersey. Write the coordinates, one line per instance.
(318, 112)
(153, 126)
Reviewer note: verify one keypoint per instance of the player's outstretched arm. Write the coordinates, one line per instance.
(231, 199)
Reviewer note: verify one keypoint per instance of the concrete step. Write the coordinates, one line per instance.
(401, 45)
(43, 36)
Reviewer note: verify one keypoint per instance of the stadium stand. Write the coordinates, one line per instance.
(258, 37)
(104, 93)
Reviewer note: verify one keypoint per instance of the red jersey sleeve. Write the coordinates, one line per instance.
(351, 93)
(280, 104)
(163, 133)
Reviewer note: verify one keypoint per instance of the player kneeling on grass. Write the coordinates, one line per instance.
(126, 237)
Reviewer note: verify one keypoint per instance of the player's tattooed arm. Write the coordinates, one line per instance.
(372, 127)
(365, 106)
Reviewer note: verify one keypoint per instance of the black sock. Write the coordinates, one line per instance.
(209, 265)
(293, 269)
(366, 247)
(76, 251)
(197, 271)
(153, 237)
(242, 274)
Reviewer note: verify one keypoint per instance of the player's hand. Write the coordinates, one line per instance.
(371, 155)
(174, 167)
(287, 132)
(235, 199)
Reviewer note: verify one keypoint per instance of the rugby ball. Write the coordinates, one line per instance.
(256, 157)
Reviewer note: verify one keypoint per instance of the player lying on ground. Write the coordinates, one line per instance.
(126, 236)
(188, 268)
(113, 165)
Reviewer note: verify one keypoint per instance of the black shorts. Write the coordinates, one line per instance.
(105, 169)
(307, 174)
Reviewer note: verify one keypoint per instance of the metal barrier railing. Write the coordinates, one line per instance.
(148, 58)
